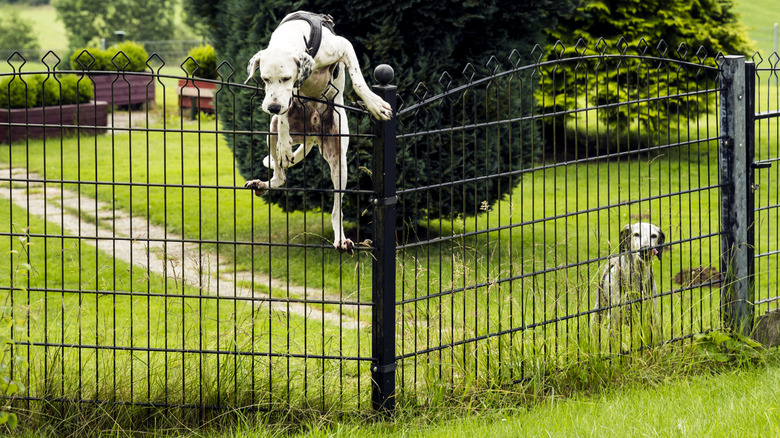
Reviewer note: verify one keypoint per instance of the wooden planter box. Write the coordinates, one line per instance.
(123, 90)
(52, 121)
(196, 95)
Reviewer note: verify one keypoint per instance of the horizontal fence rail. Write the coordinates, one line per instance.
(490, 218)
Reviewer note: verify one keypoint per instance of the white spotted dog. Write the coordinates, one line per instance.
(306, 60)
(628, 276)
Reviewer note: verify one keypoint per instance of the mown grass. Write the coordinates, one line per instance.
(50, 30)
(759, 23)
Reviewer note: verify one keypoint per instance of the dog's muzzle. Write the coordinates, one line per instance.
(647, 254)
(276, 108)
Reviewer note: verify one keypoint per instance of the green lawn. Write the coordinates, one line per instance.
(711, 406)
(50, 30)
(760, 18)
(156, 312)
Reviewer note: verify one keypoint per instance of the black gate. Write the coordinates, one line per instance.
(766, 189)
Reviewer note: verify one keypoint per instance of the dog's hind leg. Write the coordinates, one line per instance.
(334, 151)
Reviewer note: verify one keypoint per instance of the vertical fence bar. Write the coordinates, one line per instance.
(736, 173)
(384, 210)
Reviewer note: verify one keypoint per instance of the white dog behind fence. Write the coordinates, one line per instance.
(306, 60)
(628, 279)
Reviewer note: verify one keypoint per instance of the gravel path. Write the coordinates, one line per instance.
(150, 247)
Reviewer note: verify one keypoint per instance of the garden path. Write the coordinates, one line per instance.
(151, 247)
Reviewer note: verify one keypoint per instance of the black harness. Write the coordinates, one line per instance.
(316, 21)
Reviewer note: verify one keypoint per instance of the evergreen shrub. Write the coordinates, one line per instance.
(420, 40)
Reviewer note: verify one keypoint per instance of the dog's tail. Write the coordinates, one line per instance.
(297, 157)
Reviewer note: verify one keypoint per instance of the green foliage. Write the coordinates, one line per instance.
(679, 31)
(21, 91)
(12, 327)
(126, 56)
(205, 62)
(18, 92)
(420, 40)
(75, 89)
(17, 33)
(729, 349)
(87, 21)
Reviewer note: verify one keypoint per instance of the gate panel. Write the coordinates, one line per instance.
(767, 188)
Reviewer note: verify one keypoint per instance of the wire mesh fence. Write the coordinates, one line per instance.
(516, 235)
(615, 139)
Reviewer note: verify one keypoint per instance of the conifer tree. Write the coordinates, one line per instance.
(420, 40)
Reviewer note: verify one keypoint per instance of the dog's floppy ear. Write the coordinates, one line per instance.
(625, 237)
(660, 241)
(252, 66)
(305, 66)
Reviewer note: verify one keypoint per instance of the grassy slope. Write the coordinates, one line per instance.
(680, 408)
(51, 31)
(711, 406)
(759, 18)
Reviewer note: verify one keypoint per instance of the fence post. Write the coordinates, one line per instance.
(737, 112)
(383, 281)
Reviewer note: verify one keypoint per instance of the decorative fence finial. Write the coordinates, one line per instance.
(383, 74)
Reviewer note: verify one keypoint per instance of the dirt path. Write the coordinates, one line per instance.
(153, 248)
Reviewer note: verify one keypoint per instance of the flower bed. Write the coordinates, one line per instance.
(122, 89)
(118, 73)
(196, 94)
(52, 121)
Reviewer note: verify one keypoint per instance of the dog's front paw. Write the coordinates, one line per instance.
(260, 187)
(380, 109)
(344, 245)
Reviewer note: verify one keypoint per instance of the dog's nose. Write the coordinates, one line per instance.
(274, 108)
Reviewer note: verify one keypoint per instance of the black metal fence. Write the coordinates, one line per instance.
(139, 271)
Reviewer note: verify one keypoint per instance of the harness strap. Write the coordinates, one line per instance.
(316, 21)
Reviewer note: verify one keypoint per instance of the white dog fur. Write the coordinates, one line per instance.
(628, 275)
(289, 72)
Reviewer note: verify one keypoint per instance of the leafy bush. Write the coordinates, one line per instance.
(205, 62)
(674, 30)
(90, 20)
(400, 34)
(132, 58)
(17, 91)
(76, 89)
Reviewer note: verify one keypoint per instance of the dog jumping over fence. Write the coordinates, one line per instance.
(628, 276)
(306, 60)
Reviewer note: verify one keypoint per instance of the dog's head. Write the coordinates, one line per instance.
(283, 73)
(642, 240)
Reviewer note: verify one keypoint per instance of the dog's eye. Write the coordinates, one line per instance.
(286, 79)
(636, 235)
(653, 236)
(266, 80)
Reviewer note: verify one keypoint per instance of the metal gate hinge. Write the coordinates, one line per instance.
(384, 369)
(384, 201)
(761, 165)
